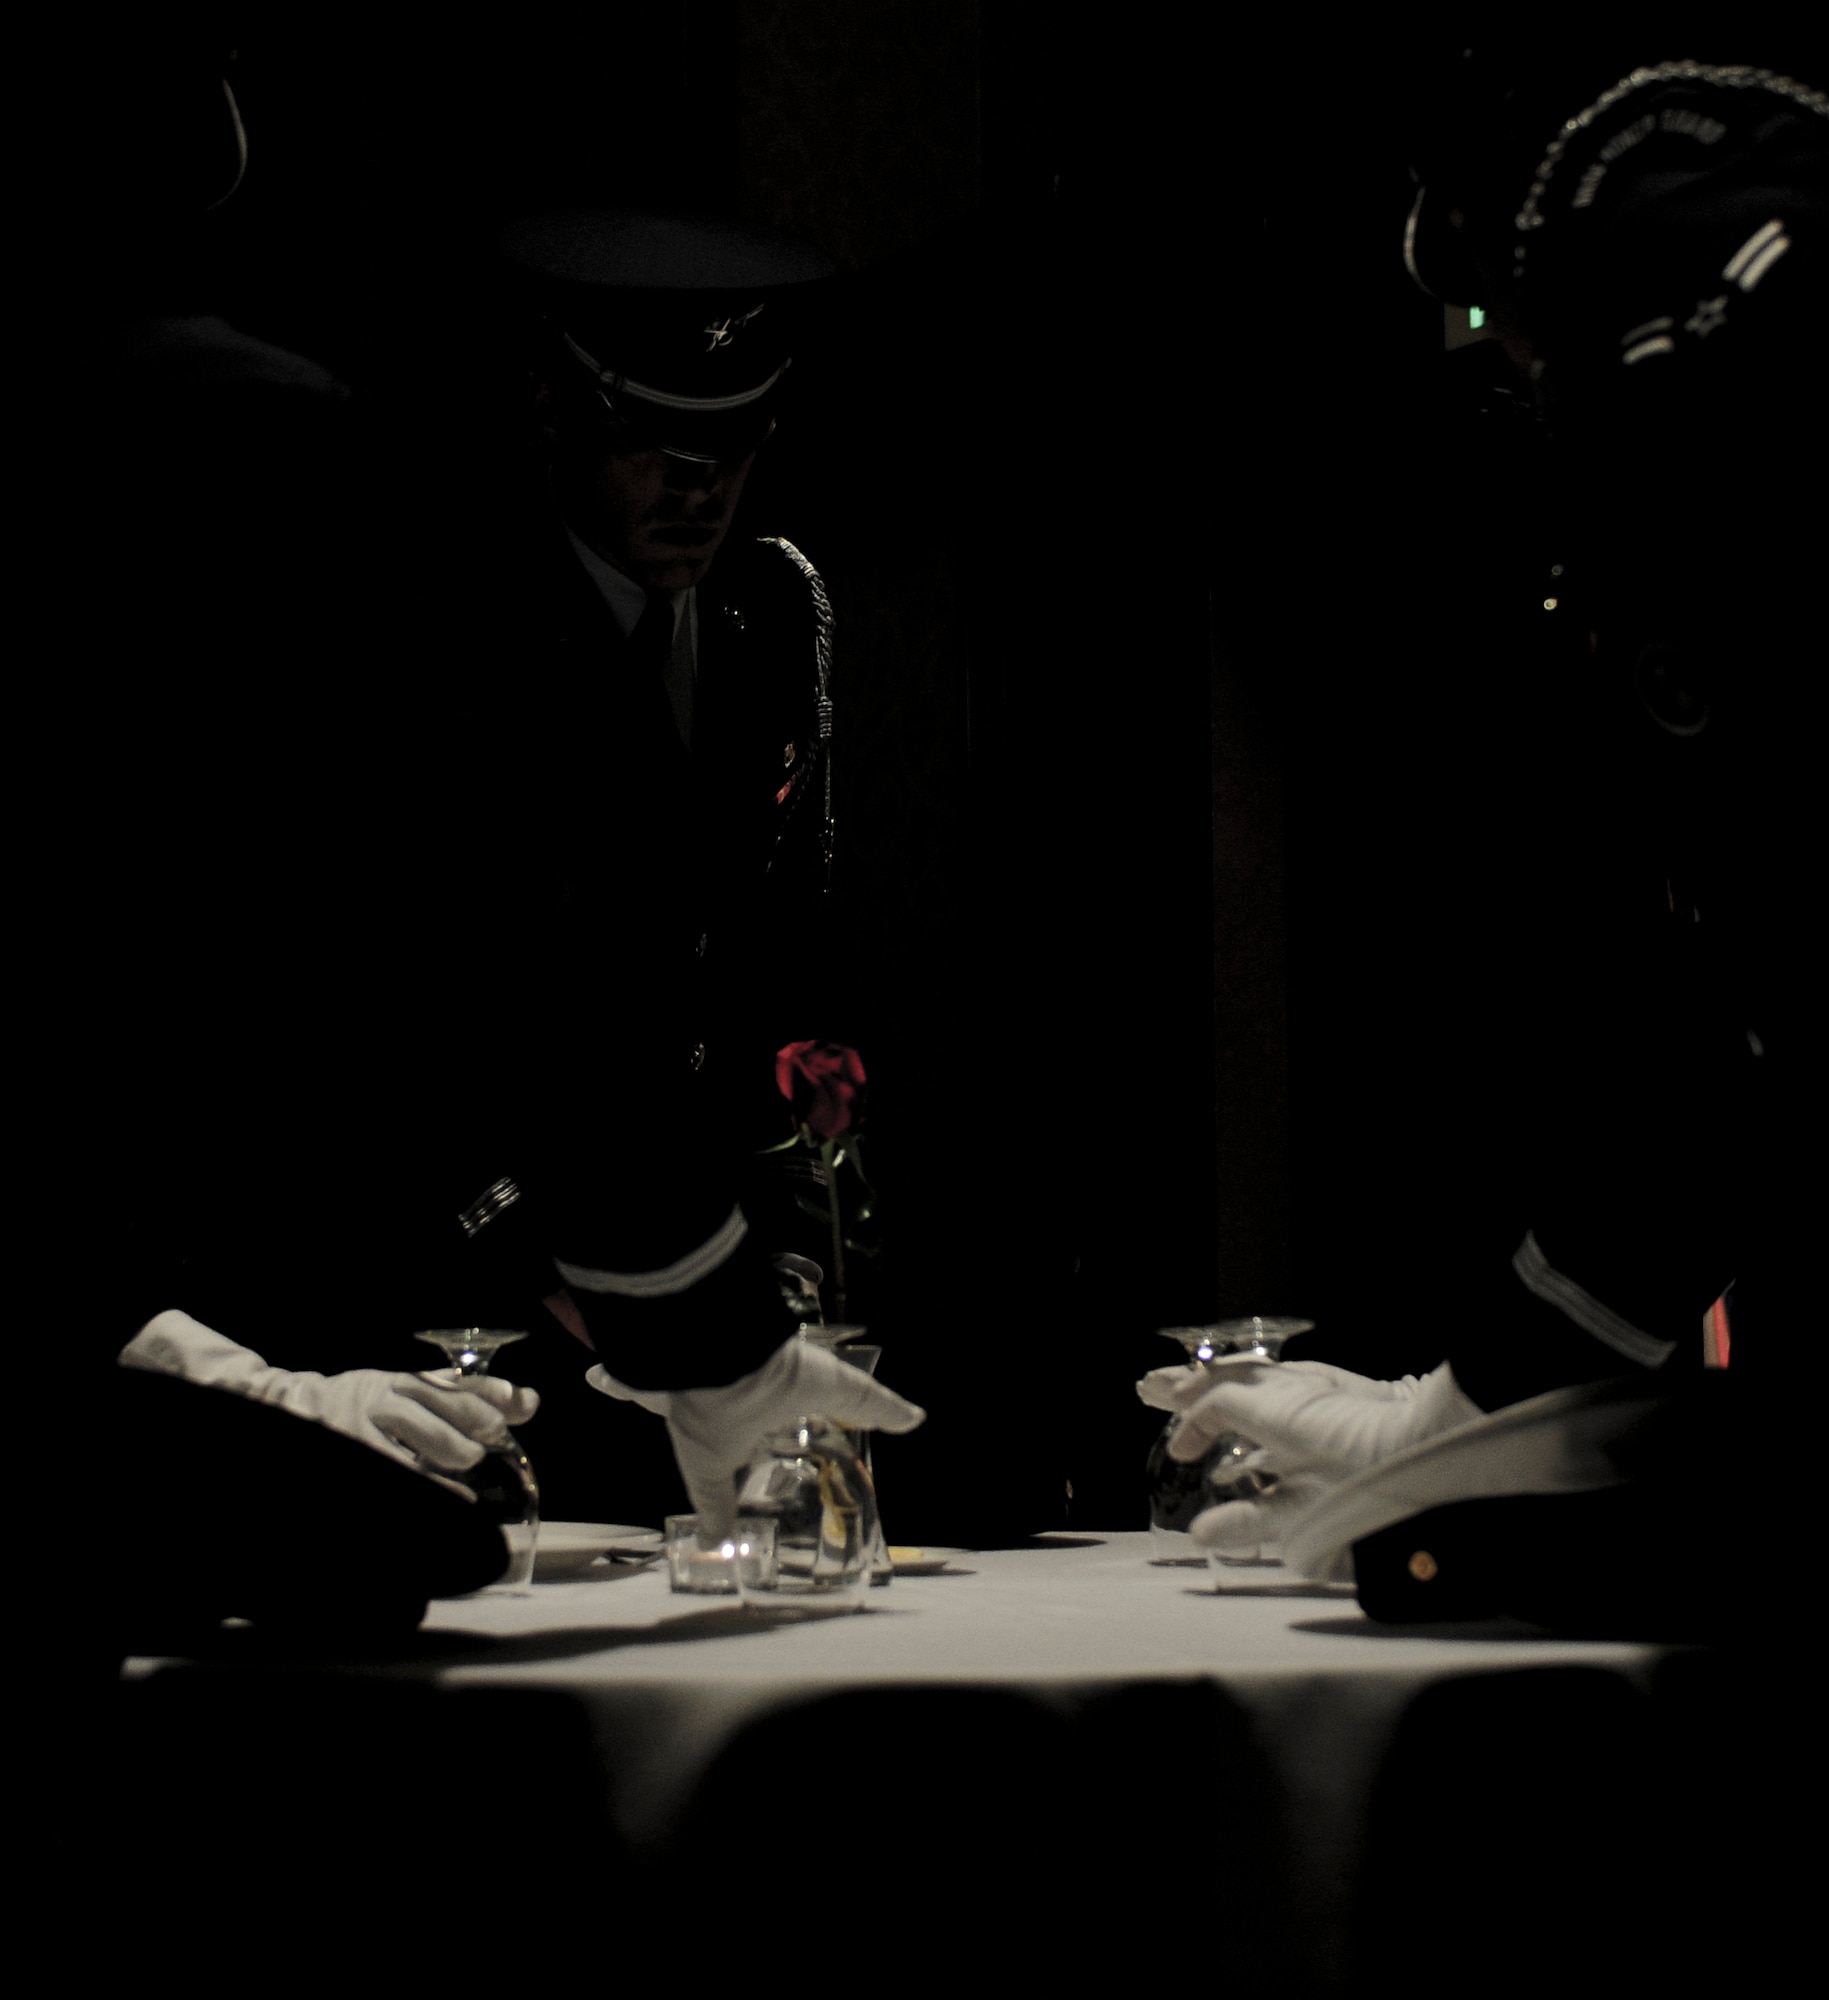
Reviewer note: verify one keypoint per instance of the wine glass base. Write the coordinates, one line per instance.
(791, 1603)
(523, 1538)
(1241, 1567)
(1174, 1548)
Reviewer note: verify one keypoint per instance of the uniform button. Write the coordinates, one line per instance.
(698, 1056)
(1423, 1566)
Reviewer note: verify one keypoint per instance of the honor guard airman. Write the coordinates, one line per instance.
(650, 724)
(1649, 238)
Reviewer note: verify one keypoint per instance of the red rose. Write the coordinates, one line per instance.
(824, 1082)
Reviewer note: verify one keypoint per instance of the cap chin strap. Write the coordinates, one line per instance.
(1410, 222)
(698, 457)
(241, 146)
(697, 405)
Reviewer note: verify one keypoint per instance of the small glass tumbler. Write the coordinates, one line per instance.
(729, 1566)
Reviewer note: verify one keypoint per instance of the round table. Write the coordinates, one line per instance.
(1064, 1711)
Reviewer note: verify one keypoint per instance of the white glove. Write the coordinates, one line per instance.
(1309, 1426)
(716, 1431)
(435, 1422)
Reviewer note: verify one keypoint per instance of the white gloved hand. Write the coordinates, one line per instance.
(435, 1422)
(1309, 1426)
(716, 1431)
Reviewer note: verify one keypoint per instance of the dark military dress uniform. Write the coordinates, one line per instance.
(643, 886)
(211, 987)
(1660, 236)
(416, 889)
(673, 893)
(662, 924)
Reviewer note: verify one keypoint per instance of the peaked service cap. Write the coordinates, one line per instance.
(686, 324)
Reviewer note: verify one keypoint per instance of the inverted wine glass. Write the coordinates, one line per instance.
(1178, 1489)
(502, 1479)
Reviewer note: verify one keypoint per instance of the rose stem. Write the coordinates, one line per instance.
(827, 1155)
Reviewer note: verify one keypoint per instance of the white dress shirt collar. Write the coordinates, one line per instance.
(625, 597)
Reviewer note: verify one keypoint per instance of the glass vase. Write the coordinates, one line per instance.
(812, 1481)
(866, 1354)
(848, 1343)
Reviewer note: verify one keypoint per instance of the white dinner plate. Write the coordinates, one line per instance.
(921, 1562)
(566, 1547)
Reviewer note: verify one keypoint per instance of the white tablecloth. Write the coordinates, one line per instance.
(1065, 1617)
(670, 1680)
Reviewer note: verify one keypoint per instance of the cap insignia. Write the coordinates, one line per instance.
(723, 331)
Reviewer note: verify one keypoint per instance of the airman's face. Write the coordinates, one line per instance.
(659, 519)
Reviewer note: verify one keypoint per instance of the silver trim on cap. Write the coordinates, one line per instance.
(668, 401)
(670, 1279)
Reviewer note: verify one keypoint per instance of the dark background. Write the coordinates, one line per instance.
(1168, 704)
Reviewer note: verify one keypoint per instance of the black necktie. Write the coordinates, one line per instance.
(651, 647)
(651, 643)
